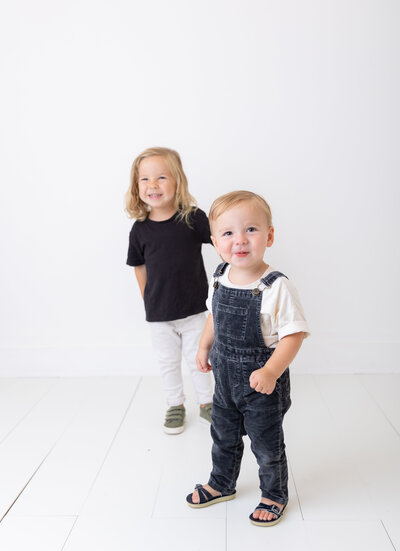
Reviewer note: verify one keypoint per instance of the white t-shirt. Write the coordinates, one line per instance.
(281, 310)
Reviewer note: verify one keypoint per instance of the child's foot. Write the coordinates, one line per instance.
(267, 517)
(205, 412)
(203, 496)
(196, 497)
(174, 420)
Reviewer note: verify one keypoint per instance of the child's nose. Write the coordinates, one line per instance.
(241, 238)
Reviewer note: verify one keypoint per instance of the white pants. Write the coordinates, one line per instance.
(172, 338)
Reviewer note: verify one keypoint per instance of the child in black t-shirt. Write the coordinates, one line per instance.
(165, 249)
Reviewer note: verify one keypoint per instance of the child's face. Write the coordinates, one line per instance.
(157, 186)
(241, 235)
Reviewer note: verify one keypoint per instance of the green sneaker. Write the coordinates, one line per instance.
(205, 413)
(174, 420)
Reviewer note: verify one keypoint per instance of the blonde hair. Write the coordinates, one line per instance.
(229, 200)
(185, 203)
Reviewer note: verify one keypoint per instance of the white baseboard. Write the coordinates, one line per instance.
(316, 356)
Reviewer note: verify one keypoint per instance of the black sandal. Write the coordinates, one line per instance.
(274, 509)
(206, 498)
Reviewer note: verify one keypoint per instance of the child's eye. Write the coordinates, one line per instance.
(143, 179)
(227, 234)
(162, 178)
(251, 229)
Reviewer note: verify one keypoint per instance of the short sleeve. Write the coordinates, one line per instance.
(210, 295)
(288, 316)
(135, 249)
(202, 227)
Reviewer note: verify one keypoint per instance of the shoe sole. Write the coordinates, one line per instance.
(212, 502)
(176, 430)
(265, 522)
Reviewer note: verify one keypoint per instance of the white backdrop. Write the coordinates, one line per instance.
(297, 100)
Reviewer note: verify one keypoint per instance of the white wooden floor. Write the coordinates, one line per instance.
(84, 465)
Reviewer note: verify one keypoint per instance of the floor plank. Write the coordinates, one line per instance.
(130, 476)
(290, 535)
(25, 449)
(370, 448)
(35, 533)
(124, 533)
(323, 461)
(18, 397)
(385, 390)
(64, 480)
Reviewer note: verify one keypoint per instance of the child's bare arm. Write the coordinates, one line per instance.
(205, 345)
(141, 276)
(264, 380)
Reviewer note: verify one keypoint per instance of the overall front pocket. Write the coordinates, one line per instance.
(232, 321)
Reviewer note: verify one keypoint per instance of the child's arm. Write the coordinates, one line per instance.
(264, 379)
(141, 276)
(205, 345)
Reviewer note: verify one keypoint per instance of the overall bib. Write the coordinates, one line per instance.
(238, 350)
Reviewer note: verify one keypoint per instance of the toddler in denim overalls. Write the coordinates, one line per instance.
(255, 330)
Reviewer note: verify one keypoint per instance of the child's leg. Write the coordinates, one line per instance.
(191, 329)
(227, 432)
(167, 346)
(263, 420)
(268, 446)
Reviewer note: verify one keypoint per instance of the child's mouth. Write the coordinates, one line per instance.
(154, 195)
(241, 254)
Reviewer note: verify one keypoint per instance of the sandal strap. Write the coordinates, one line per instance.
(274, 509)
(204, 495)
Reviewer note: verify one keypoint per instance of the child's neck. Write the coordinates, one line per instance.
(240, 276)
(158, 215)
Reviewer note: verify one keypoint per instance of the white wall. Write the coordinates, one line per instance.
(297, 100)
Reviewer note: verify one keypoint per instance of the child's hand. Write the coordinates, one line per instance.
(202, 362)
(262, 380)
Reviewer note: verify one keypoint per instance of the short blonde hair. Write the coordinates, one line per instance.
(185, 203)
(229, 200)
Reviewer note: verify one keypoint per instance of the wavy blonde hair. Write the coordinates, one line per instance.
(185, 203)
(229, 200)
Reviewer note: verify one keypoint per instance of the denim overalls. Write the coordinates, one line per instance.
(238, 350)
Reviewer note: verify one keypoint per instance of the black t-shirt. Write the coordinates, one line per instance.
(176, 284)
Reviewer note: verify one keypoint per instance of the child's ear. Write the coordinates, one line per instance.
(271, 236)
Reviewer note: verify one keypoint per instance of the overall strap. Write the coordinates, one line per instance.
(220, 269)
(270, 278)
